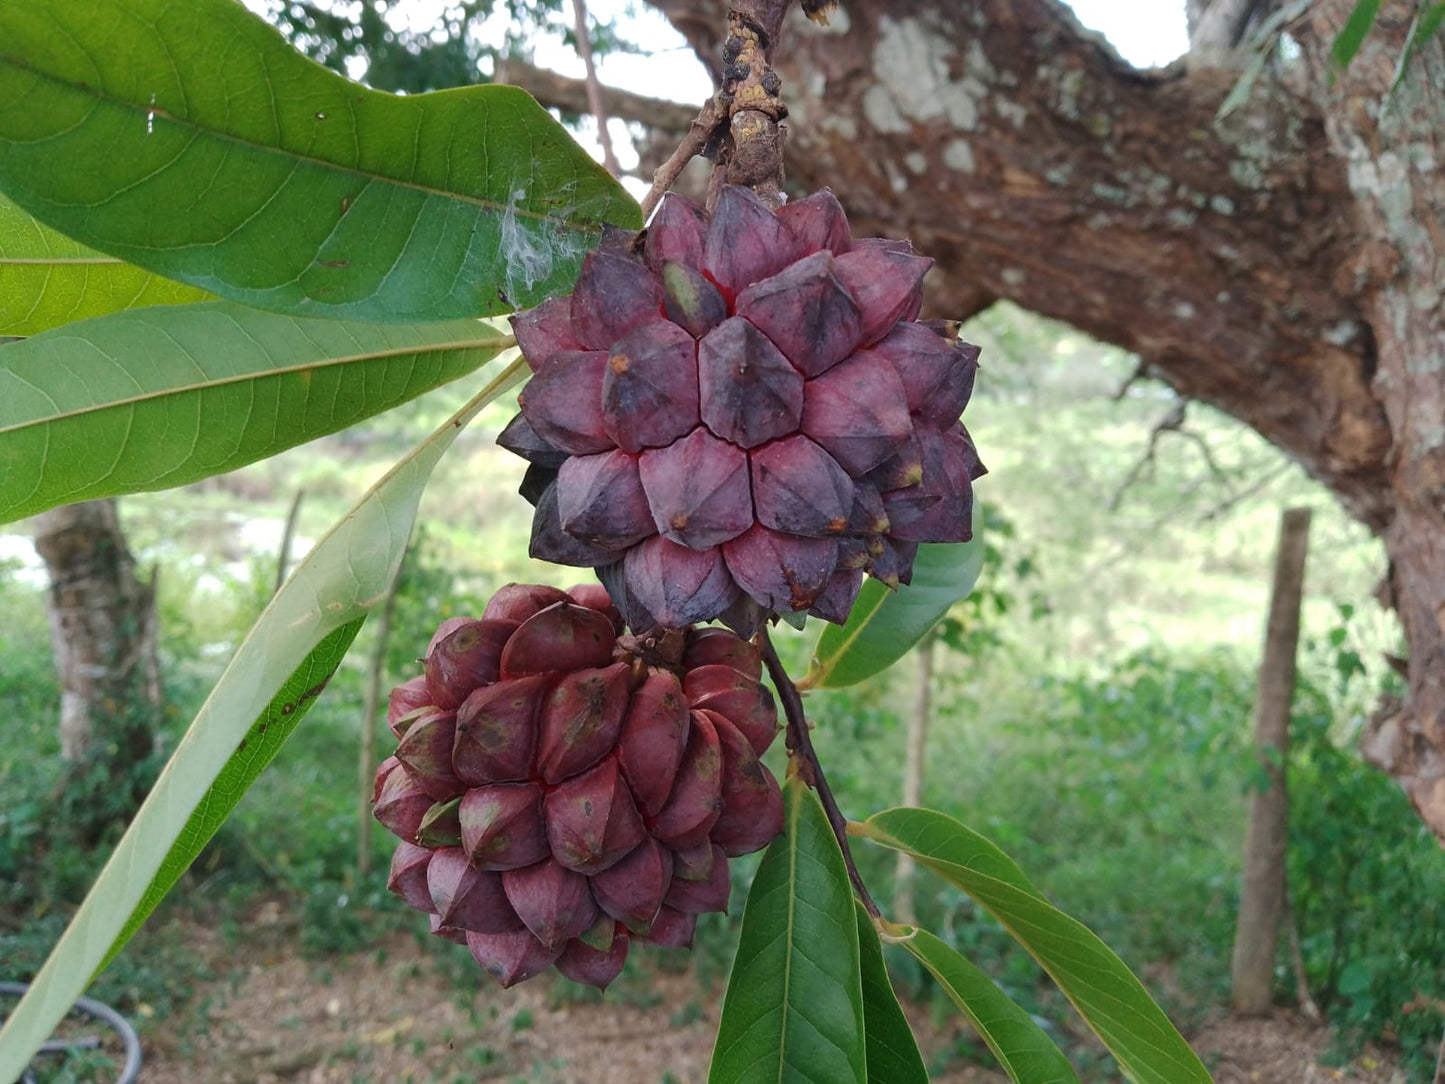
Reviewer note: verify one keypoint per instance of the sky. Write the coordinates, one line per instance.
(1145, 32)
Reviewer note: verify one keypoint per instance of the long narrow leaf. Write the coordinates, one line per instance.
(1348, 41)
(46, 279)
(793, 1011)
(256, 750)
(162, 396)
(341, 578)
(1022, 1048)
(187, 137)
(1110, 998)
(885, 624)
(893, 1056)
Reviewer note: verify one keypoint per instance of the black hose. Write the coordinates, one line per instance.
(130, 1072)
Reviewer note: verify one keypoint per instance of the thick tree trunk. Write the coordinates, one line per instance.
(1283, 265)
(1262, 894)
(103, 630)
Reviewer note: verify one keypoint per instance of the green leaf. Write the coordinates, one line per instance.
(166, 395)
(1023, 1049)
(793, 1011)
(1422, 28)
(885, 624)
(46, 279)
(1111, 1000)
(346, 573)
(946, 840)
(1239, 93)
(1348, 41)
(256, 750)
(187, 137)
(893, 1056)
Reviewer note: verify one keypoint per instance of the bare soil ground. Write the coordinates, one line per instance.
(394, 1015)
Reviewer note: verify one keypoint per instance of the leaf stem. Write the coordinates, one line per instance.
(805, 760)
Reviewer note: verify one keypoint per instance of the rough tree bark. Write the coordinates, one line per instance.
(1263, 890)
(103, 631)
(1283, 265)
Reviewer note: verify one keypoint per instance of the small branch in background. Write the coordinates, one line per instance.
(549, 88)
(800, 745)
(283, 556)
(903, 878)
(1244, 494)
(1308, 1008)
(699, 133)
(1173, 422)
(366, 759)
(595, 100)
(1141, 372)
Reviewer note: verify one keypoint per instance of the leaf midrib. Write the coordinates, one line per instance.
(153, 113)
(788, 961)
(240, 378)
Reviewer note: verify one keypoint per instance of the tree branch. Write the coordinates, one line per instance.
(559, 91)
(800, 745)
(595, 101)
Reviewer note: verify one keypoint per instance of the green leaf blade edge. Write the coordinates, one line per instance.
(884, 624)
(793, 1011)
(163, 396)
(256, 750)
(1022, 1048)
(273, 181)
(1110, 998)
(344, 575)
(892, 1051)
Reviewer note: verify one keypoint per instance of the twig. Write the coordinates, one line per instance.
(1440, 1062)
(1308, 1007)
(594, 89)
(699, 134)
(800, 745)
(283, 556)
(1248, 491)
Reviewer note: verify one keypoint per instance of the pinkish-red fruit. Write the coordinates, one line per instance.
(750, 393)
(466, 897)
(554, 902)
(719, 647)
(601, 501)
(511, 958)
(580, 720)
(465, 659)
(698, 490)
(519, 601)
(698, 897)
(582, 963)
(752, 812)
(649, 392)
(426, 748)
(696, 800)
(592, 821)
(806, 313)
(502, 825)
(496, 731)
(408, 876)
(740, 698)
(774, 336)
(401, 803)
(562, 637)
(653, 739)
(632, 890)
